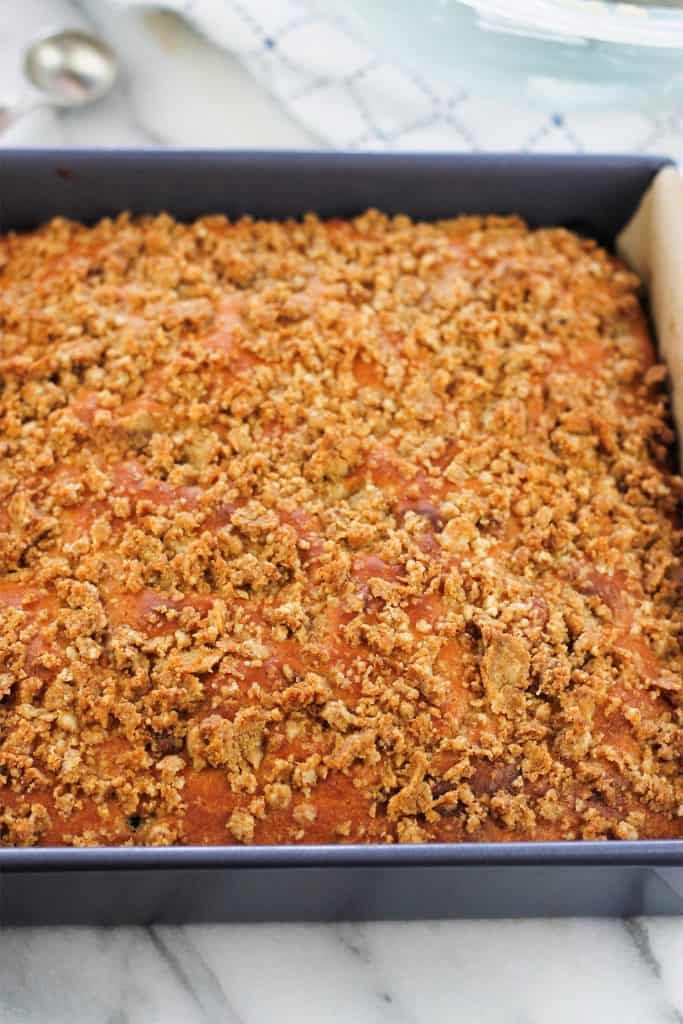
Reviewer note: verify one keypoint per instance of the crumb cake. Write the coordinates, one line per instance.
(333, 532)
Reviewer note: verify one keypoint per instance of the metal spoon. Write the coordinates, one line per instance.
(68, 69)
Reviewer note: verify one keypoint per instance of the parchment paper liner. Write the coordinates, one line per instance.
(652, 245)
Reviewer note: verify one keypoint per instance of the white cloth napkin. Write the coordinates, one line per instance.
(327, 77)
(323, 74)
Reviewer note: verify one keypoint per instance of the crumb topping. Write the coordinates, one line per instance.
(346, 531)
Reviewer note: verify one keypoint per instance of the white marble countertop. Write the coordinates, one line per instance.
(174, 92)
(505, 972)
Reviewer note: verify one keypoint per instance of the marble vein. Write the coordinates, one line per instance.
(638, 933)
(355, 939)
(641, 940)
(193, 973)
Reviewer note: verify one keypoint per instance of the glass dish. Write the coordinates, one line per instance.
(558, 54)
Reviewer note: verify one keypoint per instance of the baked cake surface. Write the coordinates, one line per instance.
(340, 531)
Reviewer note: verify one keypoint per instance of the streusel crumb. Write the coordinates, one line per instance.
(343, 531)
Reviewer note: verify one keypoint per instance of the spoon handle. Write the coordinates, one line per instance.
(11, 113)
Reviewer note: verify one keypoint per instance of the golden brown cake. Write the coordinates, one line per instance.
(343, 531)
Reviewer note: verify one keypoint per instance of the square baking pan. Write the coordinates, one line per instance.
(594, 195)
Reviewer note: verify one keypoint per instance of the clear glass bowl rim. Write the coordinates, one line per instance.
(628, 23)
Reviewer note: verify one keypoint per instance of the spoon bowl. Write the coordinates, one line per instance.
(70, 68)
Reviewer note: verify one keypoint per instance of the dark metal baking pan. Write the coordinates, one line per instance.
(595, 195)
